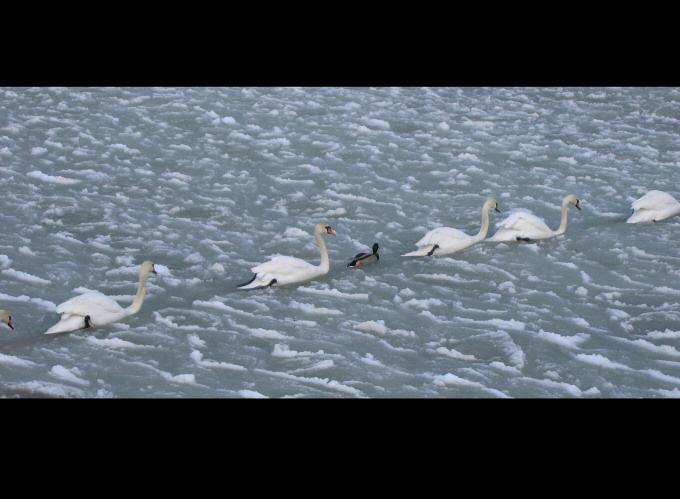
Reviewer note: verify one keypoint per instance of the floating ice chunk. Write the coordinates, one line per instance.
(52, 179)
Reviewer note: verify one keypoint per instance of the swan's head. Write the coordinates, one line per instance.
(572, 199)
(491, 203)
(6, 318)
(148, 267)
(376, 246)
(323, 227)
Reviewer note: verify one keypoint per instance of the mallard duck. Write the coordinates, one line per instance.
(362, 259)
(282, 270)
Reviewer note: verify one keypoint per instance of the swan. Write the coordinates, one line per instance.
(523, 226)
(282, 270)
(6, 318)
(96, 309)
(361, 259)
(654, 206)
(444, 240)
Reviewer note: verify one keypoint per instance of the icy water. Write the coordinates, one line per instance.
(209, 182)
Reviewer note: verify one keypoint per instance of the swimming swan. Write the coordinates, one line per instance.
(523, 226)
(96, 309)
(6, 318)
(654, 206)
(282, 270)
(444, 240)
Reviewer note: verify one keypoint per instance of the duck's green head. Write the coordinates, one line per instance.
(375, 247)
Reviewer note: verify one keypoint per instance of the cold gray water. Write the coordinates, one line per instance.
(209, 182)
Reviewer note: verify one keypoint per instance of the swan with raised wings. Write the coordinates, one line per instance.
(445, 240)
(654, 206)
(523, 226)
(96, 309)
(282, 270)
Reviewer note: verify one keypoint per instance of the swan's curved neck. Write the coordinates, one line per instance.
(141, 293)
(563, 222)
(325, 263)
(485, 224)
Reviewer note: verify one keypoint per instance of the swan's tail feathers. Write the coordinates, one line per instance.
(423, 251)
(252, 284)
(69, 323)
(431, 252)
(246, 283)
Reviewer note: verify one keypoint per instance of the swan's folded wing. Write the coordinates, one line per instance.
(442, 236)
(523, 221)
(655, 200)
(85, 303)
(283, 265)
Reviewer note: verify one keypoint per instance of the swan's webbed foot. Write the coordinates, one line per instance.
(431, 252)
(271, 283)
(526, 239)
(87, 322)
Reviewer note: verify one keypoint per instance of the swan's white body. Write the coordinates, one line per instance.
(445, 240)
(525, 226)
(98, 308)
(6, 317)
(282, 270)
(654, 206)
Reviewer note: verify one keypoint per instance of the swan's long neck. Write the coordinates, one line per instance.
(325, 263)
(563, 222)
(141, 293)
(485, 224)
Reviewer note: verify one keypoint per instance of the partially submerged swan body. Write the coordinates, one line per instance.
(654, 206)
(96, 309)
(361, 259)
(282, 270)
(523, 226)
(445, 240)
(6, 318)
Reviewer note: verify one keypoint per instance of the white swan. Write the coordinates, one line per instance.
(654, 206)
(6, 318)
(96, 309)
(523, 226)
(282, 270)
(444, 240)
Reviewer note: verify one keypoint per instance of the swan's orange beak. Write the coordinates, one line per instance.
(330, 231)
(9, 323)
(577, 205)
(153, 269)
